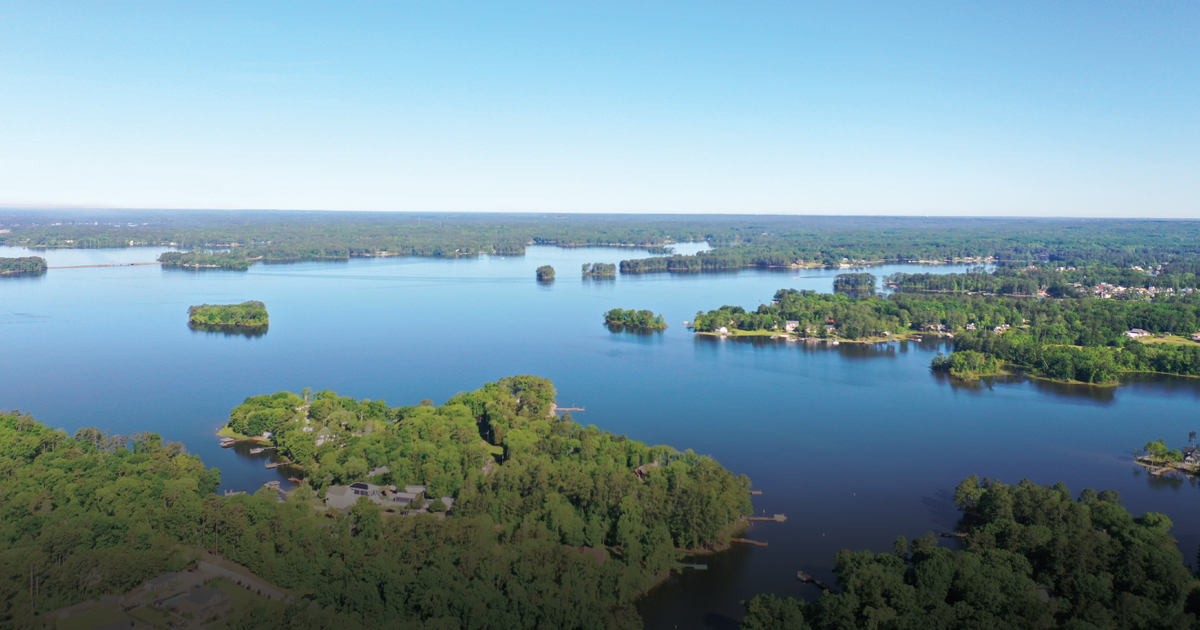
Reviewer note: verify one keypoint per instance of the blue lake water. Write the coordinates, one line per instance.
(856, 444)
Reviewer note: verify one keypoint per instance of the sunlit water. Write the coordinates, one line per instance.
(856, 444)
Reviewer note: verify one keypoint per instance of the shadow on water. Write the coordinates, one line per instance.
(23, 275)
(229, 331)
(633, 330)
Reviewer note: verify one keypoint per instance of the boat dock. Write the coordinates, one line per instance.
(808, 579)
(698, 567)
(747, 541)
(756, 492)
(778, 518)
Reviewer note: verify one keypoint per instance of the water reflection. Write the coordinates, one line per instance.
(633, 330)
(229, 331)
(23, 275)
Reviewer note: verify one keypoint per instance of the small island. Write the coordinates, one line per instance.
(604, 270)
(859, 283)
(247, 314)
(635, 319)
(1160, 458)
(22, 266)
(205, 260)
(545, 273)
(967, 365)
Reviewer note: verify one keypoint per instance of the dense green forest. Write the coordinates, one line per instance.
(545, 273)
(860, 283)
(1054, 281)
(97, 513)
(1035, 558)
(24, 264)
(635, 319)
(738, 241)
(235, 260)
(967, 365)
(245, 314)
(599, 269)
(1076, 339)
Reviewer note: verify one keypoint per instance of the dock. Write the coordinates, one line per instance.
(778, 518)
(698, 567)
(278, 464)
(756, 492)
(808, 579)
(952, 534)
(747, 541)
(565, 409)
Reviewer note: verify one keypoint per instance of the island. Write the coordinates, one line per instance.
(195, 260)
(24, 265)
(247, 314)
(859, 283)
(635, 319)
(605, 270)
(545, 273)
(967, 365)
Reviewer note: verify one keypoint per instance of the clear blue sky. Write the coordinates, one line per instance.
(994, 108)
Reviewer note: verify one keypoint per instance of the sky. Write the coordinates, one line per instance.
(894, 108)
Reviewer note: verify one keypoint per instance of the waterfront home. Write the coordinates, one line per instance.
(1191, 455)
(162, 581)
(323, 436)
(204, 603)
(791, 325)
(723, 330)
(343, 497)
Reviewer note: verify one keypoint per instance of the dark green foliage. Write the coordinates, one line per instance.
(23, 265)
(635, 319)
(545, 273)
(599, 269)
(235, 260)
(860, 283)
(245, 314)
(1034, 559)
(966, 364)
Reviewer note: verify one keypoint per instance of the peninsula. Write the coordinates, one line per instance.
(635, 319)
(23, 265)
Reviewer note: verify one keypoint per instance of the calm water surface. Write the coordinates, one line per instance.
(856, 444)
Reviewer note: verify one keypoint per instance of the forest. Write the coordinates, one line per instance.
(22, 265)
(635, 319)
(599, 269)
(858, 283)
(1073, 339)
(250, 314)
(545, 273)
(1034, 558)
(96, 513)
(738, 241)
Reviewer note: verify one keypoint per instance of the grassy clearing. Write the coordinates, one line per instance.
(1171, 339)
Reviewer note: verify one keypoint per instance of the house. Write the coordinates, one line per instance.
(791, 325)
(324, 435)
(343, 497)
(204, 603)
(1191, 455)
(971, 326)
(723, 330)
(1137, 333)
(162, 581)
(1196, 337)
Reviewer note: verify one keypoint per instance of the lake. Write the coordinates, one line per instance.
(855, 443)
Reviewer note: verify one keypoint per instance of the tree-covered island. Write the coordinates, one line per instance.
(236, 261)
(246, 314)
(1034, 558)
(606, 270)
(490, 511)
(22, 265)
(635, 319)
(1074, 339)
(545, 273)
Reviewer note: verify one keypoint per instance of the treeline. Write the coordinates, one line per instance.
(599, 269)
(1035, 558)
(235, 260)
(250, 313)
(635, 319)
(24, 264)
(1067, 282)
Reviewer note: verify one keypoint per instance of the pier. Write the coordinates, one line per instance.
(808, 579)
(747, 541)
(778, 518)
(756, 492)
